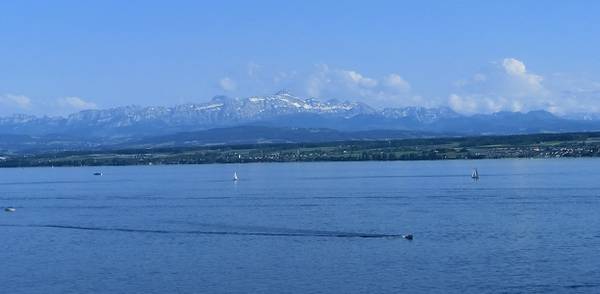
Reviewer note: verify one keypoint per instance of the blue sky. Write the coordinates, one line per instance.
(58, 57)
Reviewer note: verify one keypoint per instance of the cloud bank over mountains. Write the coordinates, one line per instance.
(502, 85)
(13, 103)
(510, 86)
(390, 90)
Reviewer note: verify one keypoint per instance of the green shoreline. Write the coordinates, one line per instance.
(480, 147)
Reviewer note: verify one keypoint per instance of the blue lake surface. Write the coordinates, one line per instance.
(527, 226)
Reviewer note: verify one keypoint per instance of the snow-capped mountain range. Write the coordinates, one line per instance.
(282, 110)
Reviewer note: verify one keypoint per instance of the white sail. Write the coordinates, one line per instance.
(235, 176)
(475, 174)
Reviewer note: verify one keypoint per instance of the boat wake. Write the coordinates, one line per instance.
(297, 233)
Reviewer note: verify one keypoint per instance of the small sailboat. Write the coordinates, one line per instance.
(475, 174)
(235, 177)
(97, 174)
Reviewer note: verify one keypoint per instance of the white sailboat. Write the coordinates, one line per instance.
(235, 177)
(475, 174)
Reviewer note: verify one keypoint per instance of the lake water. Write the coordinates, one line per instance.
(525, 226)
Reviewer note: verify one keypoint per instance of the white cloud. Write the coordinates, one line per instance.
(357, 79)
(392, 90)
(477, 104)
(509, 86)
(396, 82)
(516, 69)
(16, 101)
(461, 104)
(227, 84)
(76, 103)
(506, 86)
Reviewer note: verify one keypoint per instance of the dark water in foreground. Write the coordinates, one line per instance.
(527, 226)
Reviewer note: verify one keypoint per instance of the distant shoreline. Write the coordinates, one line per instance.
(567, 145)
(282, 162)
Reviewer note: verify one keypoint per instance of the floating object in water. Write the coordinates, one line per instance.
(408, 237)
(235, 177)
(10, 209)
(97, 174)
(475, 174)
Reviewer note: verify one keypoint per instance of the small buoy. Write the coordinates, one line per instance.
(408, 237)
(10, 209)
